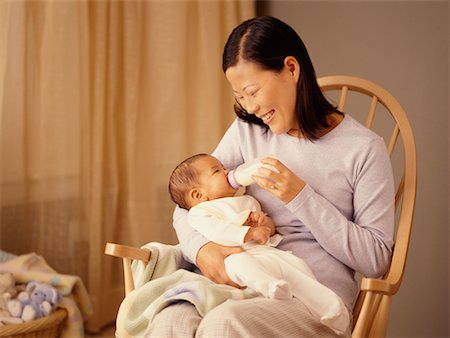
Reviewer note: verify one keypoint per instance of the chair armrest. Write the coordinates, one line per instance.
(377, 285)
(127, 253)
(124, 251)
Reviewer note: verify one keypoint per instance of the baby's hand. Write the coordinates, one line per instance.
(249, 221)
(254, 218)
(266, 222)
(259, 235)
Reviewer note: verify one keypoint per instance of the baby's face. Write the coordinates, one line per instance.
(213, 178)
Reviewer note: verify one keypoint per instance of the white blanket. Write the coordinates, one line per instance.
(163, 281)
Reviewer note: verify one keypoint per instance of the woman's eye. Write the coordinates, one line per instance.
(253, 92)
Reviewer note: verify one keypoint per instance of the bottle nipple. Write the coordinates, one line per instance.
(232, 179)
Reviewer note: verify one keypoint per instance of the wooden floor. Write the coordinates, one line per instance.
(107, 332)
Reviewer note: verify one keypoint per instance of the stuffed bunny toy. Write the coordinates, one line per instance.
(38, 300)
(7, 291)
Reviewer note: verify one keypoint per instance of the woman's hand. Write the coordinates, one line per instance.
(285, 184)
(210, 261)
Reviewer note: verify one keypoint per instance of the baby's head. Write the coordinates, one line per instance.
(197, 179)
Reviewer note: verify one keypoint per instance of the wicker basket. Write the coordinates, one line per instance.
(45, 327)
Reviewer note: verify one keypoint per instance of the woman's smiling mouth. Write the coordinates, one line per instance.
(267, 117)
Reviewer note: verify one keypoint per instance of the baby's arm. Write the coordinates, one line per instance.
(216, 229)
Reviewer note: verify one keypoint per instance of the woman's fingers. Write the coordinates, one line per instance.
(230, 250)
(281, 181)
(210, 261)
(277, 164)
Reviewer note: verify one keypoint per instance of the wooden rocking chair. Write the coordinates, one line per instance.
(371, 312)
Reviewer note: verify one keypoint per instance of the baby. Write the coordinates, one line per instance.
(200, 185)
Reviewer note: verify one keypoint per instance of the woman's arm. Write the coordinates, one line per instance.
(363, 243)
(190, 239)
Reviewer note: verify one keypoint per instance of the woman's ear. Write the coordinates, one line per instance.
(292, 66)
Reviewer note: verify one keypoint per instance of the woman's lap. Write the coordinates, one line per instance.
(255, 317)
(177, 320)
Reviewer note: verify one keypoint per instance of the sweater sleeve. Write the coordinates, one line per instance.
(365, 242)
(190, 239)
(229, 151)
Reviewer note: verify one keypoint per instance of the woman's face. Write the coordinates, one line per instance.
(269, 95)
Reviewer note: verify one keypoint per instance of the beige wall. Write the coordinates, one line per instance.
(403, 46)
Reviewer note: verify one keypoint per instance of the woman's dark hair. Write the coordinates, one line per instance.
(267, 41)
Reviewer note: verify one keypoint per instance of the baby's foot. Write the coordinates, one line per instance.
(280, 290)
(337, 318)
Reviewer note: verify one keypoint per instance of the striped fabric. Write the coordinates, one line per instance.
(255, 317)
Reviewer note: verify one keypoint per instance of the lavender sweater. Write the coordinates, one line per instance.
(343, 219)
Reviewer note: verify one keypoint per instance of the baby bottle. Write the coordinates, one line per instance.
(242, 175)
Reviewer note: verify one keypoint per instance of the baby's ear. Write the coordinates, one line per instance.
(196, 195)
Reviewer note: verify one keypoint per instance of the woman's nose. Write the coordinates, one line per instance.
(252, 107)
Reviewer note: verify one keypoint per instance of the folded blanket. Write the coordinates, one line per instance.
(163, 281)
(6, 256)
(164, 260)
(76, 300)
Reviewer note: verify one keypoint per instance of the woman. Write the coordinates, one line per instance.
(332, 200)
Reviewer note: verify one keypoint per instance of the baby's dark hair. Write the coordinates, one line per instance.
(183, 178)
